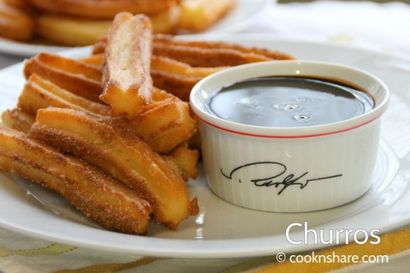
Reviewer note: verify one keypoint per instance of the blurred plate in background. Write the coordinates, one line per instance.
(241, 16)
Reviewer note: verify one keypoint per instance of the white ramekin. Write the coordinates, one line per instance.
(289, 169)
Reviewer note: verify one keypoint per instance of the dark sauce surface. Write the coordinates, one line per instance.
(289, 102)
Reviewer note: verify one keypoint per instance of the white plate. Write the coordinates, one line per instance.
(240, 16)
(223, 230)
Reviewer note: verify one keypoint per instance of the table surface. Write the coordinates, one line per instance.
(382, 26)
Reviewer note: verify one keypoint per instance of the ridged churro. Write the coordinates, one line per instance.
(17, 119)
(205, 53)
(80, 78)
(95, 194)
(39, 93)
(163, 124)
(127, 159)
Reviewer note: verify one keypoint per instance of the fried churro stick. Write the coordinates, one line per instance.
(170, 40)
(163, 124)
(176, 77)
(95, 194)
(126, 74)
(17, 120)
(207, 57)
(205, 53)
(164, 64)
(39, 93)
(80, 78)
(127, 159)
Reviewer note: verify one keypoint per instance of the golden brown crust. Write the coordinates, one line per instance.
(128, 159)
(127, 83)
(170, 40)
(39, 93)
(95, 194)
(163, 64)
(80, 78)
(106, 9)
(163, 124)
(211, 54)
(205, 53)
(207, 57)
(15, 23)
(17, 119)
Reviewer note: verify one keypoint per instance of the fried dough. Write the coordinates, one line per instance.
(95, 194)
(80, 78)
(127, 84)
(129, 160)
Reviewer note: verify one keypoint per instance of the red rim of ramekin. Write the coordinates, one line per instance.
(285, 136)
(295, 132)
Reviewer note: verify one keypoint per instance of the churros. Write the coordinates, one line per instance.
(178, 85)
(118, 128)
(169, 65)
(168, 74)
(129, 160)
(126, 74)
(205, 53)
(163, 124)
(95, 194)
(80, 78)
(170, 40)
(39, 93)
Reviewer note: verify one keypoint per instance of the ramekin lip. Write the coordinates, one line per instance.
(288, 132)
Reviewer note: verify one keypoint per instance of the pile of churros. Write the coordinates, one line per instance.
(81, 22)
(112, 132)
